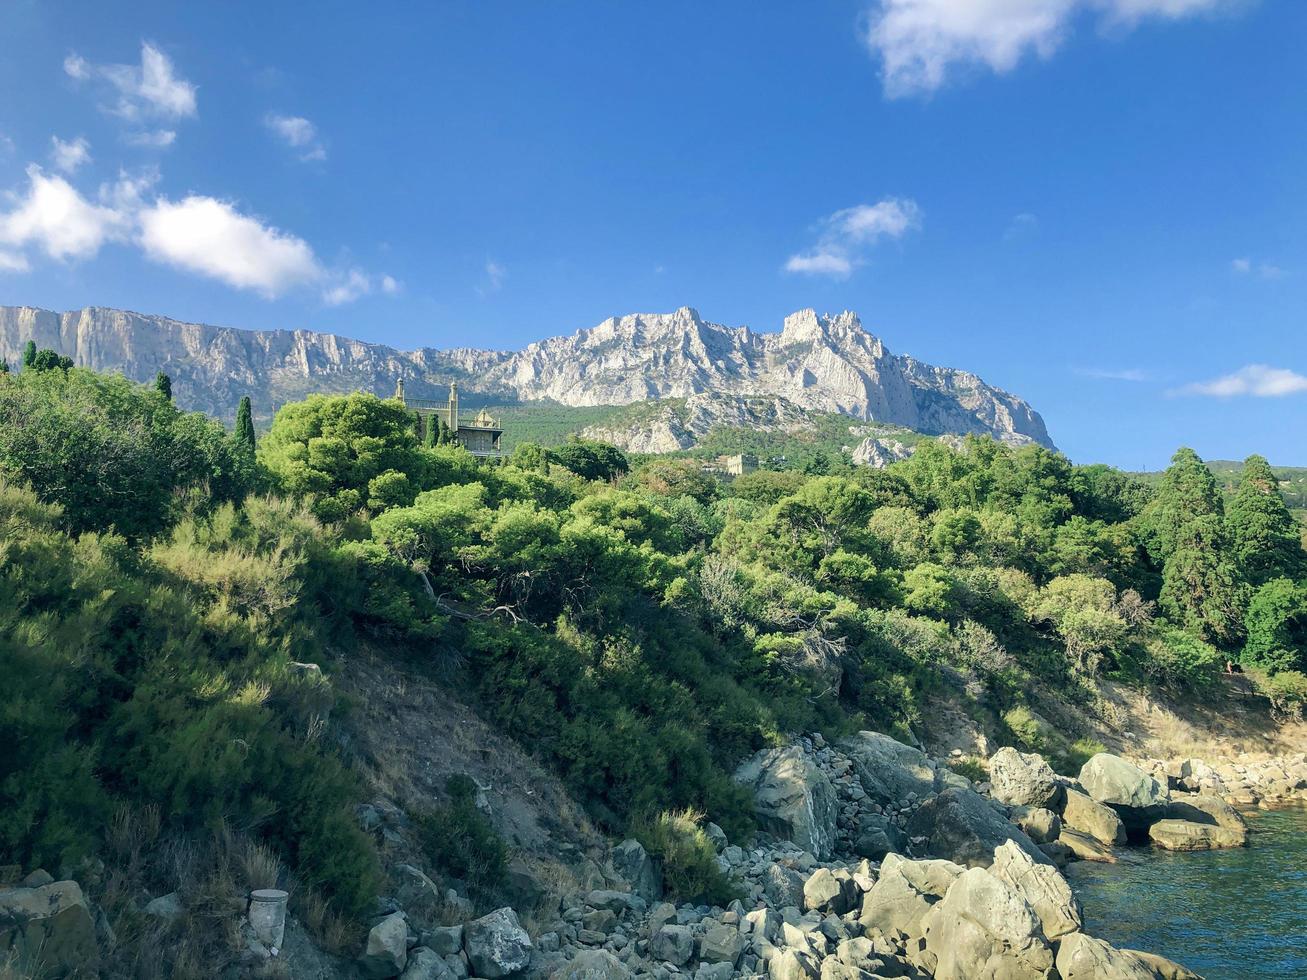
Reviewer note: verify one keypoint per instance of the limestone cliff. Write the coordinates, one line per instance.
(816, 362)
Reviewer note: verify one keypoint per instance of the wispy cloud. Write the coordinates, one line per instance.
(156, 138)
(71, 155)
(1255, 380)
(298, 133)
(493, 282)
(152, 89)
(1115, 374)
(846, 236)
(922, 44)
(1023, 225)
(1245, 266)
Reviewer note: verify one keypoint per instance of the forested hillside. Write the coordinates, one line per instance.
(640, 628)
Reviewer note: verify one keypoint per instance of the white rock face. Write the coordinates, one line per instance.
(817, 362)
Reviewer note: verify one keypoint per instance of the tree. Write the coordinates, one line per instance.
(1188, 491)
(335, 446)
(429, 431)
(1277, 627)
(48, 360)
(244, 434)
(29, 353)
(4, 366)
(163, 385)
(1264, 537)
(591, 460)
(1200, 586)
(1085, 613)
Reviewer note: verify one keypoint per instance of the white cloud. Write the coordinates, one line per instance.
(156, 138)
(55, 218)
(297, 133)
(1263, 270)
(390, 285)
(1115, 374)
(1023, 225)
(151, 89)
(210, 237)
(354, 284)
(494, 279)
(13, 262)
(1257, 380)
(921, 43)
(848, 233)
(69, 156)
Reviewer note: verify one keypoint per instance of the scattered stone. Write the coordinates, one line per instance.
(50, 924)
(1186, 835)
(721, 944)
(496, 944)
(1043, 888)
(1041, 825)
(1082, 957)
(633, 863)
(592, 964)
(826, 892)
(38, 878)
(672, 944)
(426, 964)
(790, 964)
(1100, 822)
(386, 952)
(793, 798)
(1020, 779)
(783, 886)
(168, 907)
(445, 940)
(960, 826)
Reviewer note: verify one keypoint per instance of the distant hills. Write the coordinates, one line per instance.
(817, 364)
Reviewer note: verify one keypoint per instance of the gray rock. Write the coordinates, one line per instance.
(386, 951)
(783, 886)
(496, 944)
(1136, 796)
(984, 928)
(592, 964)
(50, 925)
(889, 770)
(904, 893)
(426, 964)
(1081, 957)
(790, 964)
(1208, 810)
(793, 798)
(38, 878)
(960, 826)
(613, 901)
(1043, 888)
(721, 944)
(1186, 835)
(879, 837)
(714, 971)
(166, 907)
(1020, 779)
(672, 944)
(444, 939)
(1039, 824)
(825, 891)
(416, 894)
(1100, 822)
(641, 872)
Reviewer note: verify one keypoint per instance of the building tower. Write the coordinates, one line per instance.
(453, 406)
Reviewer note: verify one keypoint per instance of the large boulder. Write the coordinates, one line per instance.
(592, 964)
(1043, 888)
(1081, 957)
(877, 837)
(889, 770)
(903, 894)
(792, 798)
(633, 863)
(961, 826)
(826, 891)
(426, 964)
(50, 926)
(1020, 779)
(386, 951)
(790, 964)
(1100, 822)
(721, 944)
(672, 944)
(1163, 969)
(496, 944)
(1036, 822)
(1082, 847)
(984, 928)
(1186, 835)
(783, 886)
(1208, 810)
(1139, 798)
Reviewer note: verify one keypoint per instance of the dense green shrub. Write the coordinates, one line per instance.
(460, 840)
(677, 840)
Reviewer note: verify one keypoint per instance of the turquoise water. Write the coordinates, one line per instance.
(1229, 915)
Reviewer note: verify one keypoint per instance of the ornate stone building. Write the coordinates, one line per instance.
(479, 434)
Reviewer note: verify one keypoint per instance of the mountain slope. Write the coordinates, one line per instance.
(820, 363)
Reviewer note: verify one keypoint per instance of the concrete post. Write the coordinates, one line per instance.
(267, 916)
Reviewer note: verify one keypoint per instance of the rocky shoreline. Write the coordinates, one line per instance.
(873, 861)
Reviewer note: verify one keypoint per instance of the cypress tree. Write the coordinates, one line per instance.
(429, 432)
(29, 353)
(245, 426)
(1188, 490)
(1264, 540)
(163, 385)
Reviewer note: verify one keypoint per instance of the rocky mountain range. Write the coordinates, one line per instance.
(822, 363)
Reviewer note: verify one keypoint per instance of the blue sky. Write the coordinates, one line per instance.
(1096, 204)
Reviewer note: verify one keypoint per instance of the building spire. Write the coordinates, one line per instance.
(399, 388)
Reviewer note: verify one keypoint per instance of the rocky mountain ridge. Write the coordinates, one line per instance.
(826, 363)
